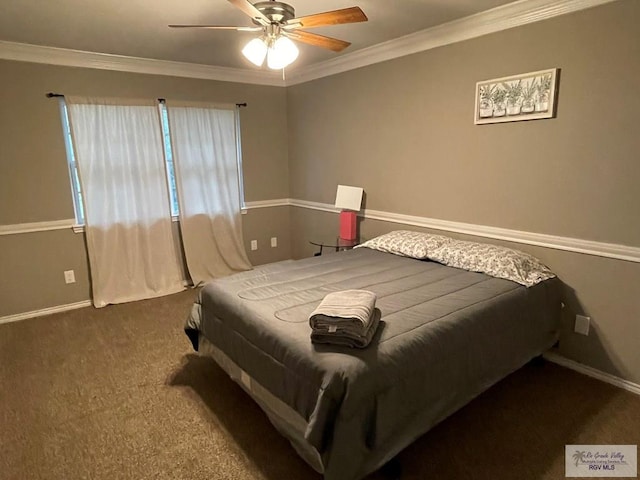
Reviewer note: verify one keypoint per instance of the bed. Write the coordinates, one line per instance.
(446, 335)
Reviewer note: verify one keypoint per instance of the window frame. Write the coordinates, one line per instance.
(74, 175)
(174, 203)
(243, 205)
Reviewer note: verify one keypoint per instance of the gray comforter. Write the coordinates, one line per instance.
(445, 336)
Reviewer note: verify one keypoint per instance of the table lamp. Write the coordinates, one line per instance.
(349, 200)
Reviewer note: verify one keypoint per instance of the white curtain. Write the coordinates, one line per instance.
(119, 152)
(203, 141)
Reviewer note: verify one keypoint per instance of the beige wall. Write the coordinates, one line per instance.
(34, 179)
(32, 266)
(262, 224)
(404, 131)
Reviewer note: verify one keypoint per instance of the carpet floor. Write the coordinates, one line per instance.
(117, 393)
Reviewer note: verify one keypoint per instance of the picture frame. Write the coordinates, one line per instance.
(528, 96)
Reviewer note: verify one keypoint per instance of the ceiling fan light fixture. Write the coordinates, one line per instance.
(281, 53)
(277, 20)
(255, 51)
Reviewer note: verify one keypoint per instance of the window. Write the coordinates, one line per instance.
(168, 156)
(239, 157)
(76, 188)
(73, 167)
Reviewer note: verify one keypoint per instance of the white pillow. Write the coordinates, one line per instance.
(406, 243)
(494, 260)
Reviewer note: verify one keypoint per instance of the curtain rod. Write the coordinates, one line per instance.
(161, 100)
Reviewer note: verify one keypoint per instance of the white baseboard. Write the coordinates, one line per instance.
(45, 311)
(594, 373)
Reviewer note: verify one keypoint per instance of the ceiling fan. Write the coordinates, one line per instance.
(278, 23)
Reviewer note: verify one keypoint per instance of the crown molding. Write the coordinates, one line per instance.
(23, 52)
(507, 16)
(521, 12)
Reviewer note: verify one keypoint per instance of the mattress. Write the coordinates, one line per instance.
(445, 336)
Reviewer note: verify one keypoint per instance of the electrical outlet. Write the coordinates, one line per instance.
(69, 276)
(274, 242)
(254, 244)
(582, 325)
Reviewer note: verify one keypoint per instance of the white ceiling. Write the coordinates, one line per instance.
(138, 28)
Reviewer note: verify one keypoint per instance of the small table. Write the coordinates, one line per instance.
(332, 242)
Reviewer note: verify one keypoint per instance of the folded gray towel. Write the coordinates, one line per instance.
(348, 310)
(346, 337)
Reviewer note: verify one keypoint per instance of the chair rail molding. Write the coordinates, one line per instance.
(36, 227)
(278, 202)
(569, 244)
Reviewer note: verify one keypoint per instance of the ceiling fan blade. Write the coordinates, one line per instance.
(219, 27)
(318, 40)
(335, 17)
(250, 10)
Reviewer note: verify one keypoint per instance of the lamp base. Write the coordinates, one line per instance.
(348, 225)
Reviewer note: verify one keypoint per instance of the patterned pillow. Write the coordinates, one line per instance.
(499, 262)
(407, 243)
